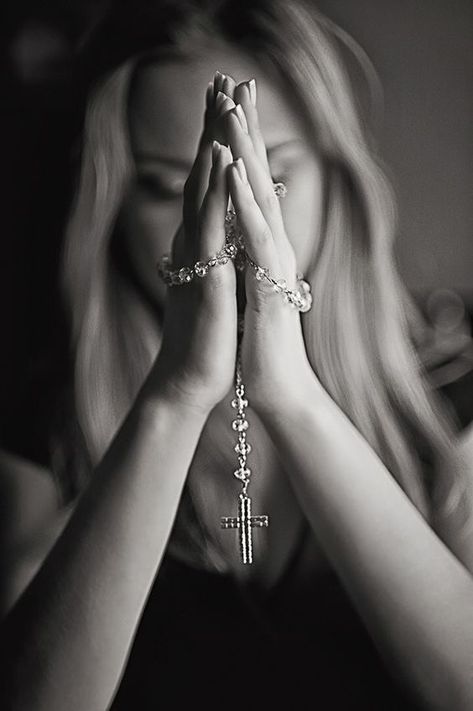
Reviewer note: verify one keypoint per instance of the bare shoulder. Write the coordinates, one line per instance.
(31, 520)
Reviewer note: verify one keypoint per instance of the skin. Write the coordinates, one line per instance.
(164, 99)
(67, 638)
(164, 143)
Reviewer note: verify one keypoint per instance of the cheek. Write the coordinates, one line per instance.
(147, 230)
(302, 211)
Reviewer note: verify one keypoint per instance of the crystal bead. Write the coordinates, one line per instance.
(242, 473)
(240, 425)
(280, 190)
(280, 285)
(212, 262)
(231, 250)
(222, 259)
(261, 273)
(243, 448)
(240, 391)
(201, 269)
(185, 275)
(307, 304)
(239, 402)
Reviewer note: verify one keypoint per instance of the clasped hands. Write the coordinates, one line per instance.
(196, 363)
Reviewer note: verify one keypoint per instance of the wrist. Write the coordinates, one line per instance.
(166, 399)
(295, 399)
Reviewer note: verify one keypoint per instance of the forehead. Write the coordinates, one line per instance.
(168, 102)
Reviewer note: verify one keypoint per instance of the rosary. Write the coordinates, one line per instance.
(301, 299)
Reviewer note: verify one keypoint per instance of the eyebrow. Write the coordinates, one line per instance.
(144, 156)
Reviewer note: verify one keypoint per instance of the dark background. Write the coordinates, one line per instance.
(423, 53)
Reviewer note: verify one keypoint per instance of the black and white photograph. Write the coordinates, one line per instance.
(236, 296)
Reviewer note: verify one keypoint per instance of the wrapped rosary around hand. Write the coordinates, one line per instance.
(301, 299)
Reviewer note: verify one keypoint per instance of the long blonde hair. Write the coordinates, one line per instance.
(358, 331)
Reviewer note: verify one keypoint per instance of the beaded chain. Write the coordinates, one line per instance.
(234, 249)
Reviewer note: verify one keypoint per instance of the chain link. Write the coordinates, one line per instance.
(240, 425)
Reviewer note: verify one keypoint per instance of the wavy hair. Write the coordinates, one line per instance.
(358, 333)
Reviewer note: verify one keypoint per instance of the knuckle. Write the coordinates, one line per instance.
(216, 280)
(263, 234)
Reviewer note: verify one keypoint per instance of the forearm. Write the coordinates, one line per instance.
(415, 597)
(66, 641)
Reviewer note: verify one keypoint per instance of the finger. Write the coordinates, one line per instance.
(229, 85)
(259, 242)
(195, 185)
(223, 104)
(245, 94)
(224, 83)
(214, 206)
(197, 181)
(242, 146)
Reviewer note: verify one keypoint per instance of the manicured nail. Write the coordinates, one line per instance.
(241, 117)
(219, 78)
(241, 170)
(228, 86)
(223, 103)
(220, 100)
(215, 151)
(226, 154)
(252, 90)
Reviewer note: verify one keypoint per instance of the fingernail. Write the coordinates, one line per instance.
(240, 166)
(226, 154)
(215, 151)
(228, 85)
(219, 78)
(220, 100)
(241, 117)
(252, 90)
(223, 103)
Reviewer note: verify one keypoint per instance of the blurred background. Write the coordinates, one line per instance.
(423, 54)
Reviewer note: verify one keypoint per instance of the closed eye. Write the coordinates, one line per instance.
(158, 187)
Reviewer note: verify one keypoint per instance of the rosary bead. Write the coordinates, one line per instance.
(231, 250)
(243, 473)
(239, 402)
(243, 448)
(185, 275)
(234, 249)
(201, 269)
(240, 425)
(280, 285)
(230, 216)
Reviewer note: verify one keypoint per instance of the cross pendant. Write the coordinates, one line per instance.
(245, 522)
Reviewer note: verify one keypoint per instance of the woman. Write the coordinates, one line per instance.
(361, 584)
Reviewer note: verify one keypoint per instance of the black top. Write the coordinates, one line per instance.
(204, 640)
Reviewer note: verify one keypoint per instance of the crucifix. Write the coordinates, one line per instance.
(245, 522)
